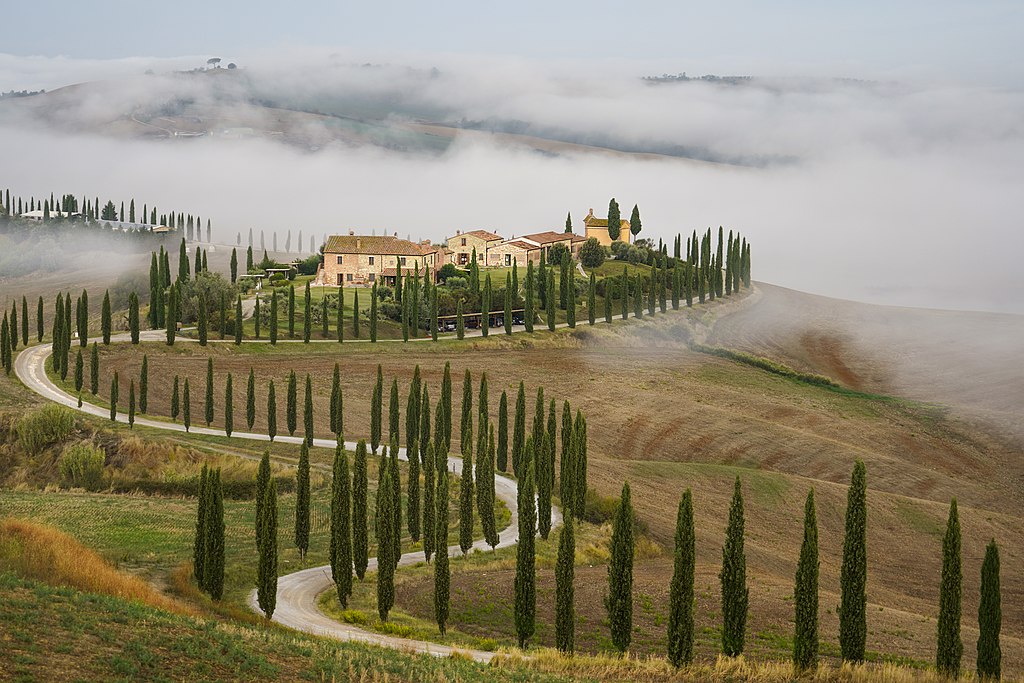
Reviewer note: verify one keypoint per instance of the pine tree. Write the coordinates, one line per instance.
(565, 570)
(213, 573)
(501, 457)
(360, 542)
(853, 576)
(526, 569)
(209, 392)
(302, 502)
(229, 408)
(442, 573)
(199, 544)
(105, 318)
(680, 600)
(133, 319)
(307, 411)
(733, 578)
(385, 541)
(519, 431)
(341, 533)
(271, 412)
(990, 617)
(291, 415)
(805, 594)
(950, 647)
(619, 601)
(266, 572)
(250, 400)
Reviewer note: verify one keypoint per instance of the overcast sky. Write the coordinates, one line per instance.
(977, 41)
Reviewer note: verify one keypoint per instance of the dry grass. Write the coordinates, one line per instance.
(39, 552)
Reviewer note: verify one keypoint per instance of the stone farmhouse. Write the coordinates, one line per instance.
(522, 250)
(364, 259)
(462, 245)
(598, 228)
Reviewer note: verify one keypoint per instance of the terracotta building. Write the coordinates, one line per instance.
(364, 259)
(462, 245)
(598, 228)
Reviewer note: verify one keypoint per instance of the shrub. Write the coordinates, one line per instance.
(449, 270)
(81, 466)
(456, 281)
(555, 253)
(40, 428)
(309, 266)
(592, 254)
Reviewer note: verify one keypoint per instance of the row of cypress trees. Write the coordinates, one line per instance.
(208, 548)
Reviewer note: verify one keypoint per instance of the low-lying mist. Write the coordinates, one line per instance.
(890, 193)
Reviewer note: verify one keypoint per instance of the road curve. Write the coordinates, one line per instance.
(297, 593)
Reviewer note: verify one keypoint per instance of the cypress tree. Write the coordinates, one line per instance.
(341, 533)
(592, 299)
(234, 265)
(201, 323)
(680, 598)
(412, 439)
(542, 456)
(624, 289)
(133, 320)
(805, 594)
(325, 328)
(105, 318)
(143, 384)
(271, 412)
(302, 502)
(485, 487)
(433, 312)
(614, 220)
(340, 322)
(429, 503)
(567, 463)
(519, 431)
(466, 424)
(360, 542)
(385, 531)
(175, 399)
(526, 569)
(608, 301)
(213, 573)
(424, 425)
(853, 576)
(990, 617)
(291, 399)
(291, 311)
(24, 321)
(950, 647)
(307, 411)
(638, 299)
(131, 405)
(460, 325)
(501, 458)
(442, 573)
(113, 397)
(335, 399)
(266, 572)
(376, 408)
(238, 320)
(466, 500)
(733, 578)
(530, 313)
(223, 315)
(209, 392)
(229, 408)
(80, 371)
(485, 308)
(307, 315)
(39, 320)
(256, 318)
(565, 569)
(186, 406)
(551, 301)
(355, 314)
(619, 601)
(373, 313)
(446, 407)
(250, 400)
(199, 543)
(94, 370)
(507, 316)
(579, 461)
(394, 418)
(262, 482)
(405, 316)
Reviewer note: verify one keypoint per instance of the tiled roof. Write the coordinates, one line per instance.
(522, 245)
(594, 222)
(482, 234)
(383, 245)
(551, 236)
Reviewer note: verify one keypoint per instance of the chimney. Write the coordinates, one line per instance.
(351, 232)
(396, 233)
(591, 214)
(458, 232)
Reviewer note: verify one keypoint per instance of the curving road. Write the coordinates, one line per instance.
(297, 593)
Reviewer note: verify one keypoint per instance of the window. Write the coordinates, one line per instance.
(339, 260)
(349, 277)
(508, 259)
(372, 277)
(371, 260)
(402, 259)
(463, 241)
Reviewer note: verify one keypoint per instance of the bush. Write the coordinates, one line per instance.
(592, 254)
(456, 282)
(555, 254)
(40, 428)
(309, 266)
(449, 270)
(81, 466)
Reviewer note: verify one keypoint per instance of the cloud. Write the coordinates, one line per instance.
(892, 193)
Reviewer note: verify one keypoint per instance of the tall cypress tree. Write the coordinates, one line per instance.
(619, 601)
(340, 322)
(105, 318)
(526, 568)
(412, 439)
(209, 392)
(376, 410)
(530, 313)
(229, 408)
(805, 594)
(579, 461)
(307, 411)
(213, 574)
(507, 316)
(680, 600)
(466, 500)
(733, 578)
(234, 265)
(355, 314)
(291, 311)
(485, 308)
(394, 418)
(460, 324)
(519, 431)
(291, 414)
(250, 400)
(429, 503)
(373, 313)
(175, 400)
(485, 487)
(501, 456)
(442, 573)
(385, 541)
(950, 648)
(341, 533)
(307, 315)
(133, 319)
(262, 483)
(143, 383)
(990, 617)
(335, 396)
(239, 323)
(446, 408)
(266, 572)
(614, 220)
(542, 456)
(80, 370)
(551, 301)
(302, 502)
(853, 576)
(199, 543)
(113, 397)
(131, 405)
(39, 320)
(271, 412)
(565, 570)
(360, 541)
(592, 299)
